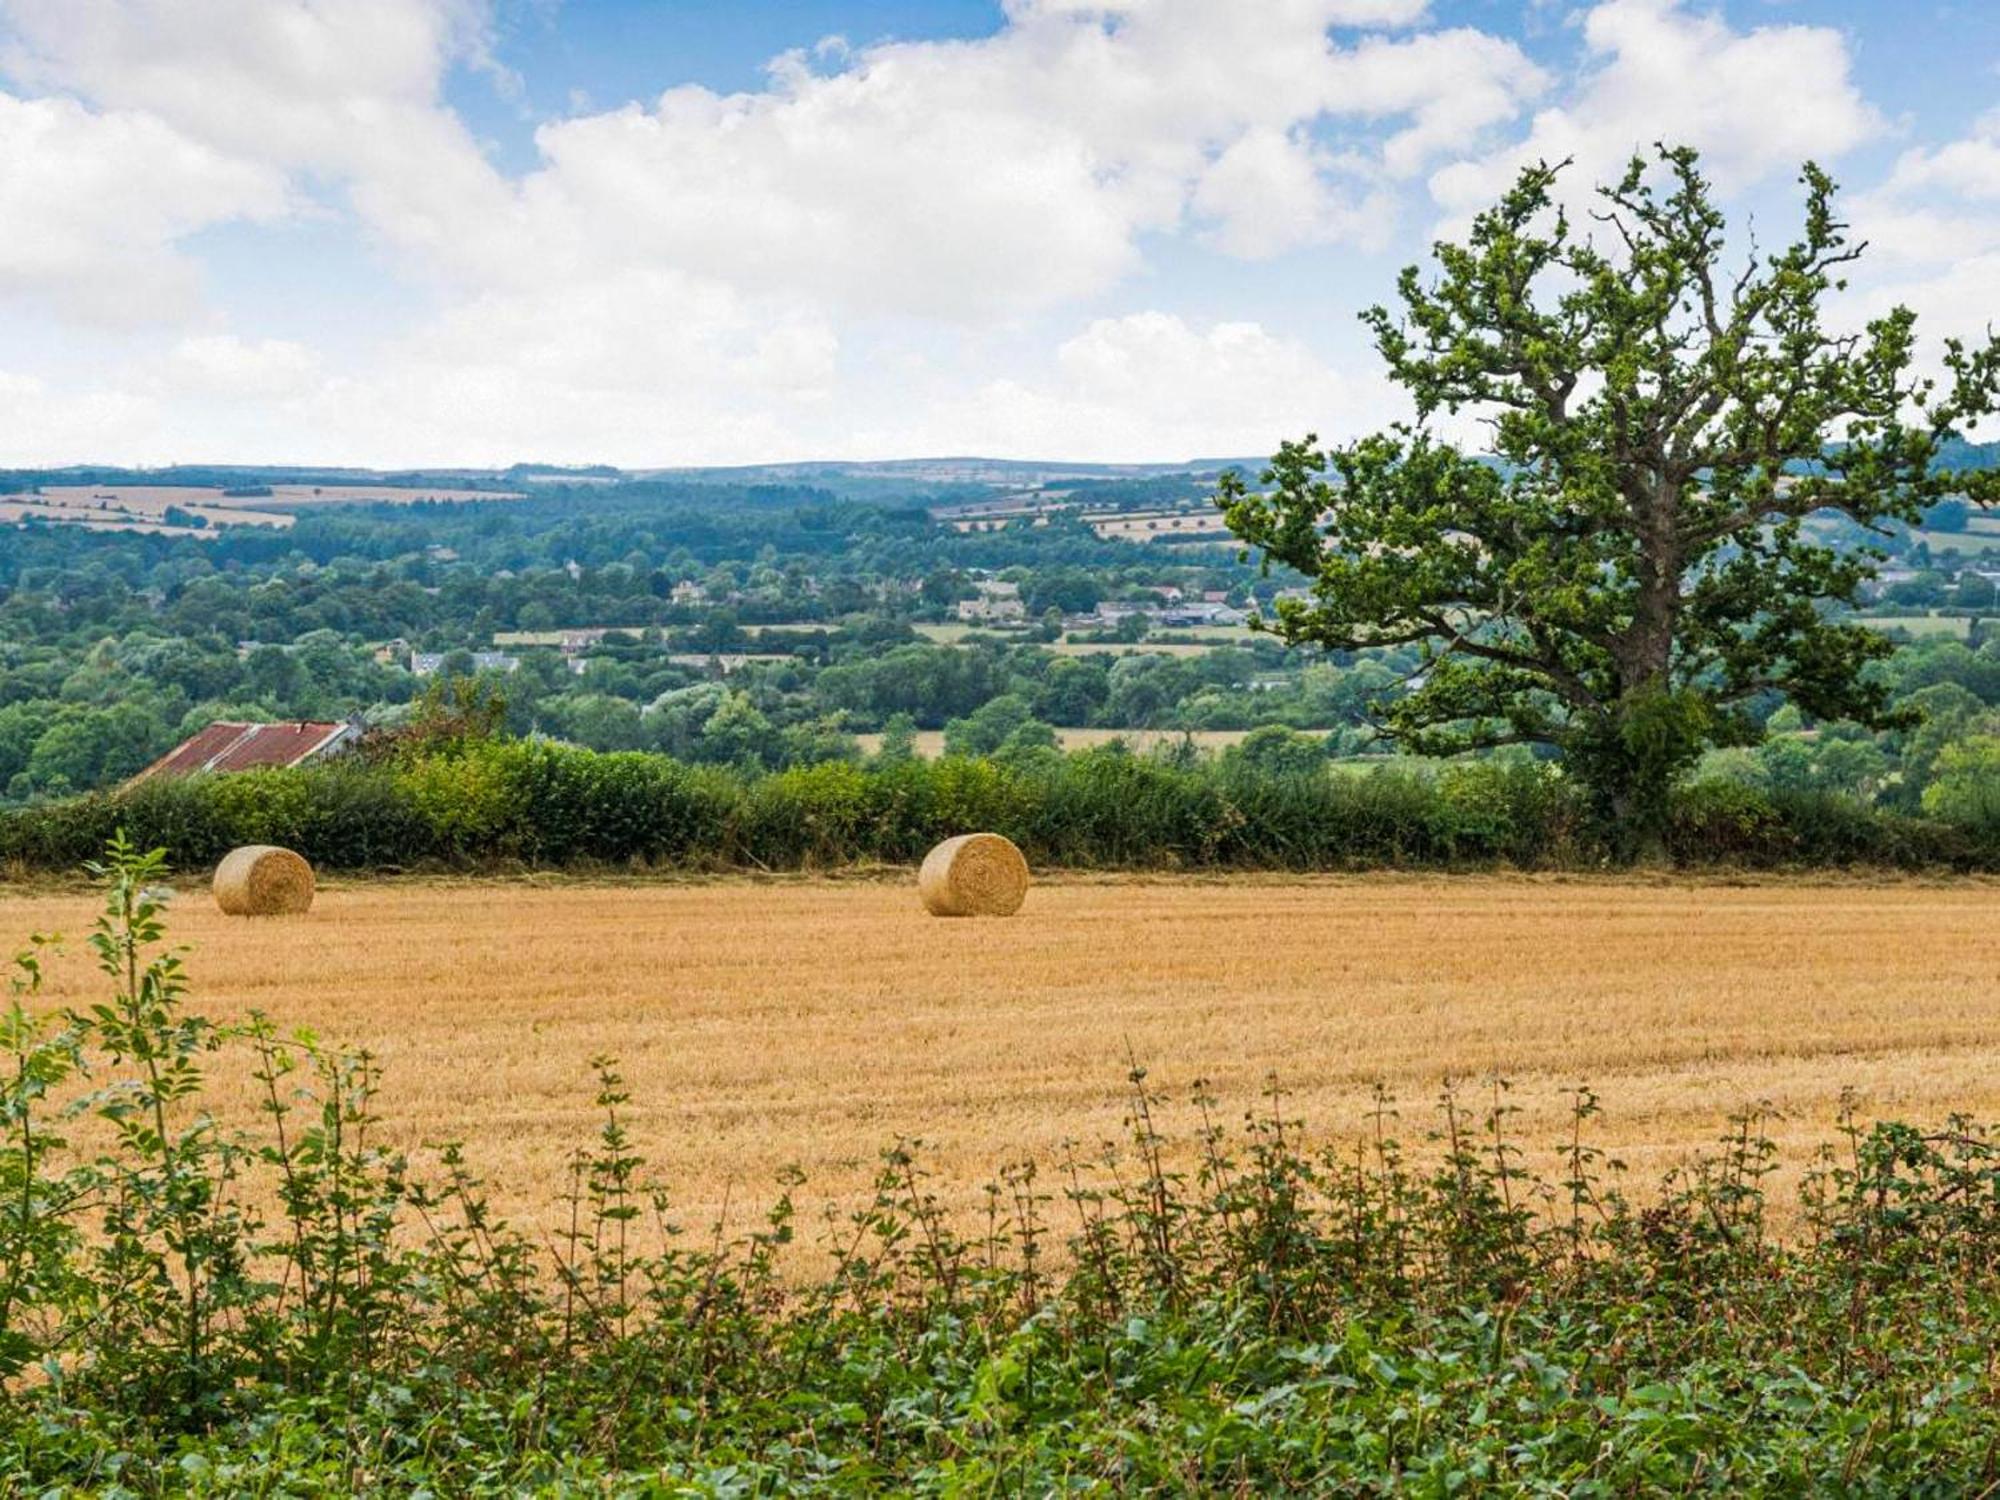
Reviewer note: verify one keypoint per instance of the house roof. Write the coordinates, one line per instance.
(227, 745)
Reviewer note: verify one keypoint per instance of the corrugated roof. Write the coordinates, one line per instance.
(230, 746)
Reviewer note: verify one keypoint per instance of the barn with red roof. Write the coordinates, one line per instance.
(229, 745)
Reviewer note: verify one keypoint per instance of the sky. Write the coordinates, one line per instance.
(675, 232)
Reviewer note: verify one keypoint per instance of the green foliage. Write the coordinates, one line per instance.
(989, 727)
(899, 741)
(1277, 751)
(454, 710)
(1368, 1317)
(1277, 803)
(1629, 572)
(1967, 789)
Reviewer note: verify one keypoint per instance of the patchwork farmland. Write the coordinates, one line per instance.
(195, 510)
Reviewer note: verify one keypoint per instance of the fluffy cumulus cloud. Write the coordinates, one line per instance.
(1754, 102)
(1153, 383)
(341, 92)
(965, 180)
(96, 204)
(826, 263)
(1933, 228)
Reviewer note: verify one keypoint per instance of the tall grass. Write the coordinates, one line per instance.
(292, 1309)
(537, 804)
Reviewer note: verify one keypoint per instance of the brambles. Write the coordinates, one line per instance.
(289, 1307)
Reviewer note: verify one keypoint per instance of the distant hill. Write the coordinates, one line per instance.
(961, 470)
(881, 476)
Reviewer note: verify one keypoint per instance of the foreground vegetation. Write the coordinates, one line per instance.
(1366, 1318)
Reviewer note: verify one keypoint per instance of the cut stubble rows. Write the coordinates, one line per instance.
(812, 1022)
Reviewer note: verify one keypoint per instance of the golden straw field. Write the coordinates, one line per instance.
(813, 1021)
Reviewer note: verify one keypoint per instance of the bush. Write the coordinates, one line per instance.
(1967, 789)
(1724, 820)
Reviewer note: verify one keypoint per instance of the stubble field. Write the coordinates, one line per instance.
(812, 1022)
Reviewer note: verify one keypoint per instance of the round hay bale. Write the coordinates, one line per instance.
(261, 880)
(974, 875)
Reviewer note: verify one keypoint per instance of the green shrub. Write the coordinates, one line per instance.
(1108, 807)
(1722, 820)
(1967, 789)
(466, 802)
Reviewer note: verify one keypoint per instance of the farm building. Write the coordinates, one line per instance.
(227, 745)
(430, 663)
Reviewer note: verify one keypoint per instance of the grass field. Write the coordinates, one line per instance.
(1959, 626)
(1138, 526)
(930, 742)
(812, 1022)
(1190, 640)
(1971, 542)
(1128, 648)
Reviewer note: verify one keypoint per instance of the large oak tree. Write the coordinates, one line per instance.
(1627, 570)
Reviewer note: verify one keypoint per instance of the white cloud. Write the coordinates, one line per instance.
(1753, 102)
(969, 180)
(1933, 230)
(506, 378)
(93, 206)
(47, 426)
(224, 365)
(339, 91)
(977, 179)
(630, 367)
(1151, 385)
(1453, 86)
(1267, 194)
(1968, 168)
(841, 260)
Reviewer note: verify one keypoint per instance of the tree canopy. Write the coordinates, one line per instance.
(1629, 568)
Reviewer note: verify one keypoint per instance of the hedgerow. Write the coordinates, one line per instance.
(517, 802)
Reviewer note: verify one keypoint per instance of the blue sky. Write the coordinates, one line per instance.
(663, 232)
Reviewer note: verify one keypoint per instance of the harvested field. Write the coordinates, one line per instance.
(812, 1022)
(135, 508)
(143, 507)
(1142, 526)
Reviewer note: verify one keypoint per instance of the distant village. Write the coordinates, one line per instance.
(995, 605)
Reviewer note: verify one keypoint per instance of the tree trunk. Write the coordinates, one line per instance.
(1639, 811)
(1650, 736)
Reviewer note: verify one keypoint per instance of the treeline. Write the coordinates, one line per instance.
(522, 803)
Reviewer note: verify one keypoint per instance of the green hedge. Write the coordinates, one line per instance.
(544, 805)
